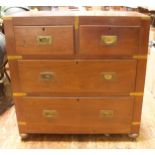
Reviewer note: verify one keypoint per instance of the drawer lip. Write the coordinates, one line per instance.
(48, 20)
(86, 18)
(28, 107)
(110, 20)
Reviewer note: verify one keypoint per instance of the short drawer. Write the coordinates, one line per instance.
(81, 77)
(72, 115)
(108, 40)
(44, 40)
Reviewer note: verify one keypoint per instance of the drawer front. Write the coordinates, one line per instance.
(83, 77)
(44, 40)
(69, 115)
(108, 40)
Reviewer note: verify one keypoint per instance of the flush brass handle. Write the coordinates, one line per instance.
(108, 76)
(106, 113)
(108, 39)
(44, 40)
(46, 76)
(49, 113)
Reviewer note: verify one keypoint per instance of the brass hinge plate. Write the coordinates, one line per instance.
(139, 56)
(19, 94)
(14, 57)
(136, 94)
(76, 22)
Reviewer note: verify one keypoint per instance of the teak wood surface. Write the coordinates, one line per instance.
(75, 116)
(76, 60)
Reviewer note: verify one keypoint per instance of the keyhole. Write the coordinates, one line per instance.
(43, 29)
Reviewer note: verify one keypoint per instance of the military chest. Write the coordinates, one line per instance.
(78, 72)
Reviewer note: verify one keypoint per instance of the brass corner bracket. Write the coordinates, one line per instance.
(7, 18)
(139, 56)
(135, 123)
(19, 94)
(146, 17)
(21, 123)
(136, 94)
(14, 57)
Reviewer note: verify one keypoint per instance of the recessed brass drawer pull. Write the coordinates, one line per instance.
(108, 39)
(46, 76)
(44, 40)
(106, 113)
(108, 76)
(49, 113)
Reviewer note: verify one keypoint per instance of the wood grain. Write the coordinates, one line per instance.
(10, 137)
(44, 21)
(77, 76)
(61, 40)
(141, 73)
(76, 65)
(115, 19)
(126, 45)
(82, 115)
(9, 34)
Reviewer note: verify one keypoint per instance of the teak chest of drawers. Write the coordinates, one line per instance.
(78, 72)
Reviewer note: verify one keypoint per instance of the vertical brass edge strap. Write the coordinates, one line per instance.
(76, 22)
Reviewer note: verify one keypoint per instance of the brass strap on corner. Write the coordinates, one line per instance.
(136, 94)
(19, 94)
(22, 123)
(14, 57)
(140, 57)
(135, 123)
(7, 18)
(76, 22)
(146, 17)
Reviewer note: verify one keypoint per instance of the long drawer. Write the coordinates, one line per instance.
(79, 77)
(74, 115)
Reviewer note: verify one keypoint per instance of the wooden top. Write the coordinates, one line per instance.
(78, 13)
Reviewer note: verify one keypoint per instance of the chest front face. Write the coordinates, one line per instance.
(87, 67)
